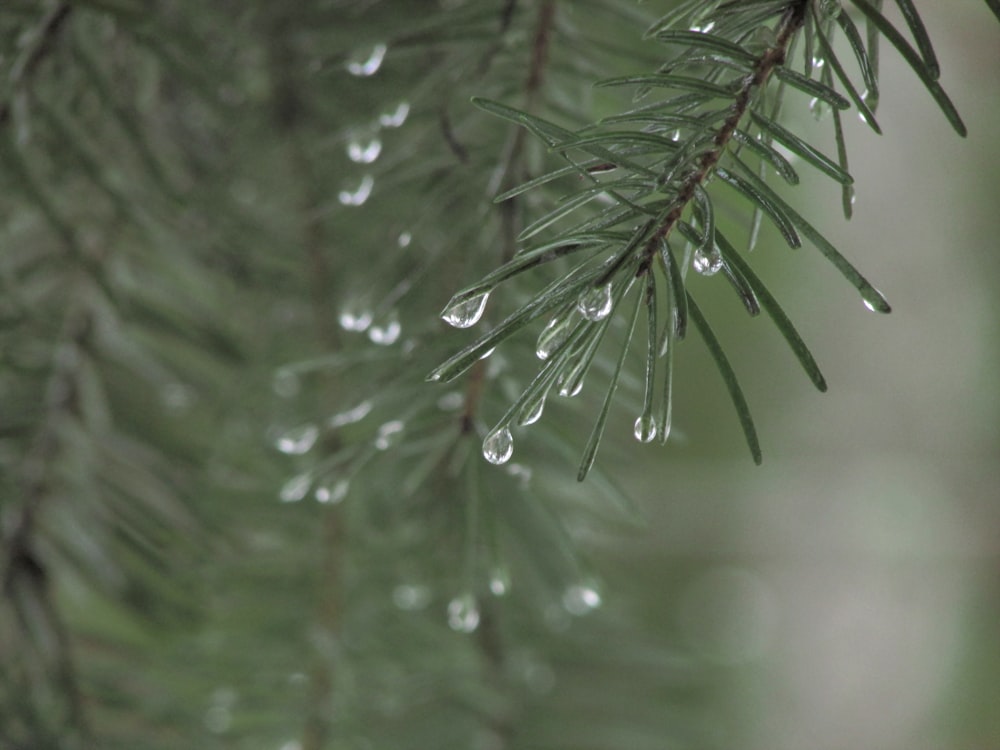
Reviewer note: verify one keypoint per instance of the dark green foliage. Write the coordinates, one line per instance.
(234, 514)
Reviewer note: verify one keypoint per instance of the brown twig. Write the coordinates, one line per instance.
(772, 57)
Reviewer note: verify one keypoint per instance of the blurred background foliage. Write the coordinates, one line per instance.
(234, 515)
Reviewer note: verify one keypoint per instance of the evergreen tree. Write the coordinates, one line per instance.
(244, 497)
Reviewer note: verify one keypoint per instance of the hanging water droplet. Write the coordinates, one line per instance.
(521, 473)
(830, 8)
(463, 313)
(704, 29)
(818, 62)
(354, 319)
(498, 446)
(332, 495)
(871, 99)
(707, 264)
(295, 488)
(387, 333)
(396, 117)
(298, 440)
(875, 302)
(820, 109)
(500, 581)
(645, 428)
(411, 596)
(595, 304)
(367, 63)
(355, 414)
(580, 599)
(463, 613)
(572, 384)
(404, 239)
(360, 194)
(388, 434)
(286, 383)
(364, 153)
(552, 336)
(531, 412)
(451, 401)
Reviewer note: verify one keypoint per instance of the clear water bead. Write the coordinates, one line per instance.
(707, 264)
(298, 440)
(388, 434)
(295, 488)
(580, 599)
(364, 153)
(498, 446)
(820, 109)
(359, 195)
(553, 336)
(332, 495)
(353, 319)
(464, 313)
(367, 63)
(355, 414)
(411, 596)
(396, 117)
(286, 383)
(500, 581)
(531, 412)
(385, 334)
(571, 386)
(645, 429)
(463, 613)
(830, 8)
(595, 304)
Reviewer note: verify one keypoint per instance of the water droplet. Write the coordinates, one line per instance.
(486, 355)
(830, 8)
(463, 613)
(552, 336)
(286, 383)
(404, 239)
(395, 118)
(298, 440)
(364, 153)
(571, 385)
(521, 473)
(388, 434)
(580, 599)
(351, 416)
(295, 488)
(818, 62)
(707, 264)
(360, 194)
(645, 429)
(463, 313)
(451, 401)
(707, 28)
(354, 319)
(874, 300)
(531, 412)
(595, 304)
(367, 63)
(498, 446)
(411, 596)
(820, 109)
(332, 495)
(871, 99)
(387, 333)
(500, 581)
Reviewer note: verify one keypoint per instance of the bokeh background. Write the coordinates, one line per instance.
(849, 589)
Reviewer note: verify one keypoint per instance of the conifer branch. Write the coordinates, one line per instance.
(773, 56)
